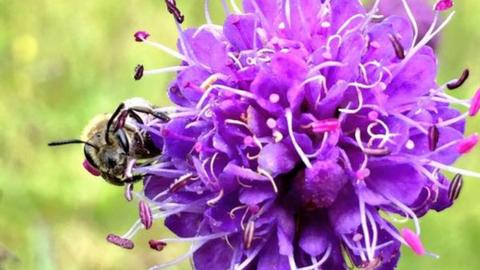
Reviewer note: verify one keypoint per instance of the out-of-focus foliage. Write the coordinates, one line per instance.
(62, 62)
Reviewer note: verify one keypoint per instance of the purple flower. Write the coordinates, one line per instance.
(299, 128)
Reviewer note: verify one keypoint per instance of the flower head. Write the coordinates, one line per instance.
(298, 128)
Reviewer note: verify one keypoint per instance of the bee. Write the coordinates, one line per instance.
(113, 143)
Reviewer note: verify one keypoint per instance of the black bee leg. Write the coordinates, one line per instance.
(111, 120)
(159, 115)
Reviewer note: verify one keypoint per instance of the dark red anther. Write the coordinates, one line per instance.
(378, 152)
(157, 245)
(173, 9)
(455, 187)
(119, 241)
(433, 136)
(397, 46)
(456, 84)
(139, 69)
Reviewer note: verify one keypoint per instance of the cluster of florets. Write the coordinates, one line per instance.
(300, 130)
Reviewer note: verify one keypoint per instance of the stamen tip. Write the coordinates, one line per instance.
(157, 245)
(413, 241)
(139, 69)
(443, 5)
(141, 36)
(119, 241)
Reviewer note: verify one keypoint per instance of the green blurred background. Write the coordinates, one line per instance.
(62, 62)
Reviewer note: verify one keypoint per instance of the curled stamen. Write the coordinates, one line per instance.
(180, 182)
(378, 152)
(139, 69)
(456, 84)
(443, 5)
(248, 234)
(468, 144)
(475, 106)
(216, 198)
(119, 241)
(157, 245)
(413, 241)
(173, 9)
(141, 36)
(269, 177)
(433, 136)
(128, 191)
(455, 187)
(397, 46)
(145, 214)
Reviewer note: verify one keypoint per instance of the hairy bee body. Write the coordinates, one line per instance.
(113, 143)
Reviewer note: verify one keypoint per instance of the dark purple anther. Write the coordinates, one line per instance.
(139, 69)
(128, 192)
(433, 136)
(443, 5)
(119, 241)
(397, 46)
(141, 36)
(456, 84)
(157, 245)
(173, 9)
(145, 214)
(455, 187)
(378, 152)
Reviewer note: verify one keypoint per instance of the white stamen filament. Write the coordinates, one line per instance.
(164, 70)
(315, 264)
(291, 262)
(323, 65)
(166, 50)
(347, 23)
(411, 122)
(430, 176)
(306, 161)
(196, 238)
(235, 91)
(452, 121)
(407, 211)
(269, 177)
(373, 225)
(366, 233)
(360, 103)
(424, 41)
(249, 258)
(450, 168)
(413, 22)
(235, 7)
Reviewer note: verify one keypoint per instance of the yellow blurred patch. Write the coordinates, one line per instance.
(24, 48)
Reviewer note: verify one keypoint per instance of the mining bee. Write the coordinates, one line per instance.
(113, 143)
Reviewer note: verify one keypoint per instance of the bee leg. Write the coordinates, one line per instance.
(111, 120)
(159, 115)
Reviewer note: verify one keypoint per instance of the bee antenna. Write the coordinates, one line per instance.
(74, 141)
(110, 121)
